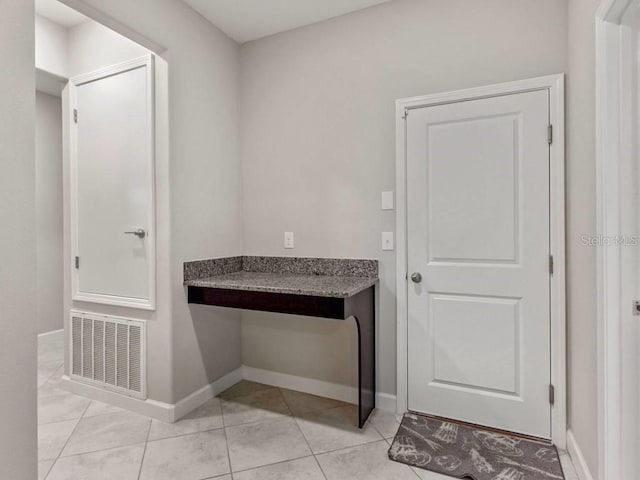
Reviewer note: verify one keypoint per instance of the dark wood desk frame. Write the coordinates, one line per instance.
(361, 307)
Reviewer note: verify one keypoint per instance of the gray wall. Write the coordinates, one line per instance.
(318, 143)
(49, 212)
(198, 345)
(17, 243)
(92, 46)
(581, 220)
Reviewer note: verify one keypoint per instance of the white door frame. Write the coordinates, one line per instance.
(146, 61)
(555, 85)
(617, 214)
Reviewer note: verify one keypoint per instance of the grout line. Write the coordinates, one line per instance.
(65, 443)
(100, 451)
(295, 419)
(144, 451)
(48, 470)
(280, 416)
(51, 375)
(320, 467)
(352, 446)
(274, 463)
(183, 434)
(413, 469)
(226, 439)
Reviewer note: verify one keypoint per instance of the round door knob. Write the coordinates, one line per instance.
(416, 277)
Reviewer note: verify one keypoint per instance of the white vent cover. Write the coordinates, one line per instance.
(109, 352)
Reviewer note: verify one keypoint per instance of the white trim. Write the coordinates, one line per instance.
(386, 402)
(343, 393)
(206, 393)
(165, 412)
(616, 167)
(51, 333)
(146, 61)
(577, 458)
(555, 85)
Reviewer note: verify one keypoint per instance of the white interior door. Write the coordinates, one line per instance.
(112, 168)
(478, 234)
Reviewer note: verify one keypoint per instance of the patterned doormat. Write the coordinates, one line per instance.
(463, 451)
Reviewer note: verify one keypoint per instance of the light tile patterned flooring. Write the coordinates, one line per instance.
(250, 432)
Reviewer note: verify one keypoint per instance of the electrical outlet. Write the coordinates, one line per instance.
(387, 240)
(288, 239)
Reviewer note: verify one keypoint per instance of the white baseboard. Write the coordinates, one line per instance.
(51, 333)
(165, 412)
(580, 464)
(149, 408)
(343, 393)
(169, 413)
(386, 402)
(206, 393)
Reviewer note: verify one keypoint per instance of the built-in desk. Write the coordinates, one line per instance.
(325, 288)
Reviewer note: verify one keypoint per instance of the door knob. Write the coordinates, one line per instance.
(140, 233)
(416, 277)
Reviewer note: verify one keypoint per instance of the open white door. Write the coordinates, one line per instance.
(478, 235)
(112, 185)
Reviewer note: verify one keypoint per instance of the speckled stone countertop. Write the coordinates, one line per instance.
(312, 285)
(317, 277)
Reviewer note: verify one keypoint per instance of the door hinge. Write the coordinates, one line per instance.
(550, 134)
(77, 262)
(552, 394)
(551, 264)
(75, 115)
(406, 114)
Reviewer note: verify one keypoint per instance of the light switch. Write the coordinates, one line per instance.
(387, 240)
(387, 200)
(288, 239)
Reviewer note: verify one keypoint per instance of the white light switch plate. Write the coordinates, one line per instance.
(288, 239)
(387, 240)
(387, 200)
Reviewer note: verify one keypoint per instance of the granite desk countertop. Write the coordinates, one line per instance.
(286, 283)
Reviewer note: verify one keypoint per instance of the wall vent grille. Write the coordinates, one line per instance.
(109, 352)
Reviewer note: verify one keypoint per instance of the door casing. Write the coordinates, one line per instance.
(146, 61)
(555, 85)
(617, 24)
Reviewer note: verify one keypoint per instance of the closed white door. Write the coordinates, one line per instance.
(478, 235)
(113, 186)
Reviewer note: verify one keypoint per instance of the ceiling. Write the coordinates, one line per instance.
(59, 13)
(245, 20)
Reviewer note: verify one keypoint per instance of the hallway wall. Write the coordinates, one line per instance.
(18, 316)
(49, 232)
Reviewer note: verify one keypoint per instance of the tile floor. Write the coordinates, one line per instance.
(250, 432)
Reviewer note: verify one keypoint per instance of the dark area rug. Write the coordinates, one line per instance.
(464, 451)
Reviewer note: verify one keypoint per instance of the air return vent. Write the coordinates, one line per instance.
(109, 352)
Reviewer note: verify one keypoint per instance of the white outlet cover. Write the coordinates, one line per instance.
(387, 241)
(387, 201)
(288, 239)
